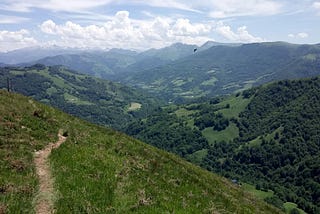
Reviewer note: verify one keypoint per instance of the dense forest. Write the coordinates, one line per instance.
(166, 131)
(278, 147)
(275, 144)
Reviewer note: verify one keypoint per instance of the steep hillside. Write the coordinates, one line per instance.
(225, 69)
(279, 143)
(98, 170)
(101, 101)
(266, 136)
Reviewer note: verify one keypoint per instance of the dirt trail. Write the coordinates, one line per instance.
(45, 196)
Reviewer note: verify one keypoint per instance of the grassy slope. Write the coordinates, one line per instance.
(237, 105)
(99, 170)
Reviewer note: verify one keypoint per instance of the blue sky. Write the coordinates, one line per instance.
(144, 24)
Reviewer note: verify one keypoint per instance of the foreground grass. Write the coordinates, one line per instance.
(25, 126)
(98, 170)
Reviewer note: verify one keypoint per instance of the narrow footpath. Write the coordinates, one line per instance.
(45, 196)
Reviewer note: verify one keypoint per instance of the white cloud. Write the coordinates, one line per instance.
(4, 19)
(53, 5)
(301, 35)
(231, 8)
(291, 35)
(316, 5)
(219, 8)
(123, 32)
(10, 40)
(215, 8)
(242, 34)
(176, 4)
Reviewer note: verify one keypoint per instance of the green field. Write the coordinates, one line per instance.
(257, 193)
(290, 206)
(237, 105)
(228, 134)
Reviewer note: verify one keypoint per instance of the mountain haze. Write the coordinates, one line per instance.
(110, 64)
(227, 69)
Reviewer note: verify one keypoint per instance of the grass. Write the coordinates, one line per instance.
(257, 193)
(98, 170)
(288, 206)
(75, 100)
(25, 126)
(182, 112)
(227, 134)
(237, 105)
(210, 82)
(134, 106)
(257, 141)
(197, 156)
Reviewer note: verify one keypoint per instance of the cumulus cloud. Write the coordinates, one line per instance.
(123, 32)
(241, 35)
(301, 35)
(10, 40)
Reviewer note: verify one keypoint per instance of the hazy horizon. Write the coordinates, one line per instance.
(137, 25)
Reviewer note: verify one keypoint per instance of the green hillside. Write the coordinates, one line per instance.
(278, 146)
(96, 100)
(98, 170)
(266, 136)
(226, 69)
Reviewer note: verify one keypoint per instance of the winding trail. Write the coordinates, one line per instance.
(44, 199)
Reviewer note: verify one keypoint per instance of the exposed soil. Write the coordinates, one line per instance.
(45, 196)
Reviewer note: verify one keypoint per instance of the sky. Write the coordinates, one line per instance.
(145, 24)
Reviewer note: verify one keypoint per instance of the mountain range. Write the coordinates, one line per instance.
(219, 106)
(227, 69)
(182, 72)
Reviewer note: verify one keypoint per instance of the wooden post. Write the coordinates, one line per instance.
(8, 84)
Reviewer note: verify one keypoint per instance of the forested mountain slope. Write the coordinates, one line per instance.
(267, 136)
(279, 143)
(111, 64)
(226, 69)
(96, 100)
(98, 170)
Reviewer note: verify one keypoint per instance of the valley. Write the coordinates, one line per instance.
(247, 112)
(100, 170)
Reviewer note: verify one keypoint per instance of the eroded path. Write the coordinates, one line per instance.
(45, 196)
